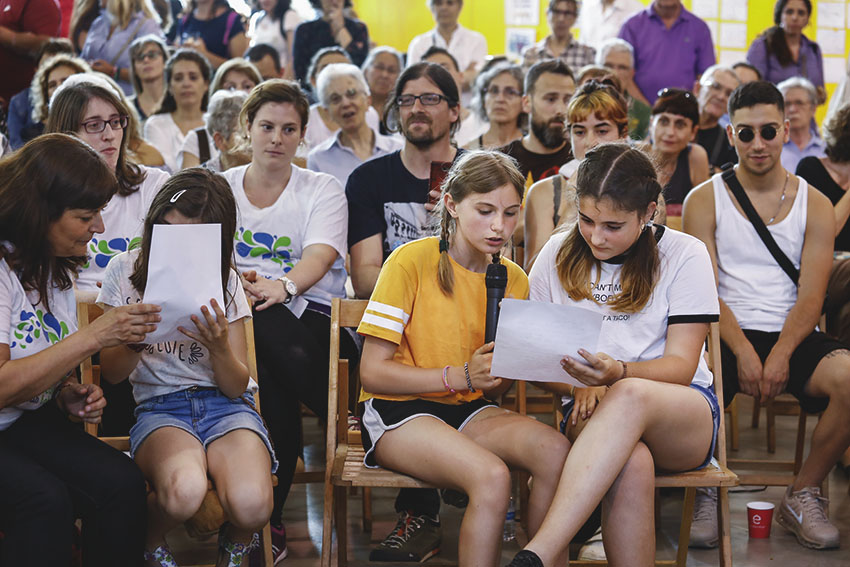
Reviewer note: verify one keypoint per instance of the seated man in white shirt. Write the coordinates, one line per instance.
(769, 313)
(344, 94)
(468, 47)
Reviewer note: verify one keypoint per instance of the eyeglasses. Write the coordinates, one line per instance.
(563, 13)
(97, 125)
(350, 94)
(152, 54)
(385, 69)
(670, 92)
(427, 99)
(718, 88)
(747, 134)
(509, 92)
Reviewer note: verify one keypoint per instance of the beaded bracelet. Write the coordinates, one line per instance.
(468, 379)
(446, 380)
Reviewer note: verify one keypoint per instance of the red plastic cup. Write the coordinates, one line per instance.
(759, 518)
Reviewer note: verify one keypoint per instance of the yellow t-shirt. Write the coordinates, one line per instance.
(431, 329)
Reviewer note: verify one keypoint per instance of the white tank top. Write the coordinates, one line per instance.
(750, 281)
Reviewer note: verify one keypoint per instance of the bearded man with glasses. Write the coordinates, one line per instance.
(768, 313)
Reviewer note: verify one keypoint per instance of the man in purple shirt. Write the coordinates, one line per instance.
(672, 47)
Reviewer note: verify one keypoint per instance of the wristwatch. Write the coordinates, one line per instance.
(290, 287)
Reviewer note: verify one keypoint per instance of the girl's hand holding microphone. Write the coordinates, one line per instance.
(479, 371)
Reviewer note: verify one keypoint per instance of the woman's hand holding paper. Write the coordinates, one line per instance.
(598, 370)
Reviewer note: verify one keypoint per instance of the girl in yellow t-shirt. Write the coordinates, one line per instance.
(426, 370)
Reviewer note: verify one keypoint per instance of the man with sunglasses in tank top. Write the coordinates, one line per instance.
(769, 340)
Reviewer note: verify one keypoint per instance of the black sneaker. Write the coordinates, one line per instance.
(525, 558)
(414, 539)
(454, 498)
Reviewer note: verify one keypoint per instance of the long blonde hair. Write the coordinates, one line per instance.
(473, 172)
(626, 177)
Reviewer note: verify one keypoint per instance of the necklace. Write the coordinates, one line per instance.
(781, 199)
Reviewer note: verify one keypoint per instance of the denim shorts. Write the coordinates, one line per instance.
(204, 413)
(708, 394)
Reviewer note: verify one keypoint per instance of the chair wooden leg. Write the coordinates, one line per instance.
(268, 559)
(366, 506)
(771, 427)
(724, 528)
(801, 442)
(756, 413)
(733, 423)
(328, 524)
(685, 527)
(341, 521)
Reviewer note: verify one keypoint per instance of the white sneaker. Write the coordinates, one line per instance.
(803, 514)
(704, 525)
(593, 549)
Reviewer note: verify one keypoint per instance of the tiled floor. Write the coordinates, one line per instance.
(303, 516)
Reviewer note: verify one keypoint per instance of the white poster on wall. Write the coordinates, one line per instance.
(517, 39)
(830, 14)
(522, 12)
(735, 10)
(733, 35)
(831, 41)
(705, 8)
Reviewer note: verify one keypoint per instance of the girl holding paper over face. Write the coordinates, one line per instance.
(52, 192)
(196, 412)
(654, 288)
(426, 372)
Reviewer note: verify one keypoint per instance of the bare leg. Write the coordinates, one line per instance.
(832, 433)
(526, 444)
(240, 466)
(430, 450)
(628, 514)
(673, 421)
(174, 463)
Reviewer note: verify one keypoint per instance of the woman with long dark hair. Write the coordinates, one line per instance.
(52, 192)
(782, 51)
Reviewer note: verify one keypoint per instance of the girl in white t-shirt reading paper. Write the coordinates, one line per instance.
(425, 369)
(196, 414)
(654, 289)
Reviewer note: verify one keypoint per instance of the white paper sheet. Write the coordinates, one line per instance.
(833, 69)
(830, 14)
(712, 28)
(517, 39)
(522, 12)
(735, 10)
(705, 8)
(729, 57)
(831, 41)
(184, 273)
(733, 35)
(534, 336)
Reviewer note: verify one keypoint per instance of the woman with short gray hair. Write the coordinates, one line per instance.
(498, 100)
(222, 120)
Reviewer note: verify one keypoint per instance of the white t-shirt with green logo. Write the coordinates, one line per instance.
(123, 221)
(28, 328)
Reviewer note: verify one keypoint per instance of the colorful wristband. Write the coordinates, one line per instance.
(446, 380)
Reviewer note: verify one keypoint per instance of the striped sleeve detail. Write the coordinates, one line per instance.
(382, 322)
(388, 310)
(706, 318)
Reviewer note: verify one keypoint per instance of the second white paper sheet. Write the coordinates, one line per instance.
(533, 337)
(184, 273)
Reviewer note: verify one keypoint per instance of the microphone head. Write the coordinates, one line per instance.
(496, 276)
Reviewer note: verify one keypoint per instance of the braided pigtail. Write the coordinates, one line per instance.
(445, 273)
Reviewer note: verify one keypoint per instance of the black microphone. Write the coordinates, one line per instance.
(496, 281)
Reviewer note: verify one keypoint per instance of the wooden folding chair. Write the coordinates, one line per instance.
(715, 475)
(211, 511)
(344, 467)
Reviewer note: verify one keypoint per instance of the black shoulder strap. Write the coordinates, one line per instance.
(784, 262)
(203, 145)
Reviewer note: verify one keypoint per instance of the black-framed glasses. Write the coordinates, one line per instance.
(670, 92)
(97, 125)
(152, 54)
(563, 13)
(747, 134)
(509, 92)
(427, 99)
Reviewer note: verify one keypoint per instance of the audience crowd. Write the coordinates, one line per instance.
(626, 171)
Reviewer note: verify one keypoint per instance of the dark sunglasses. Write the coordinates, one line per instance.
(747, 134)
